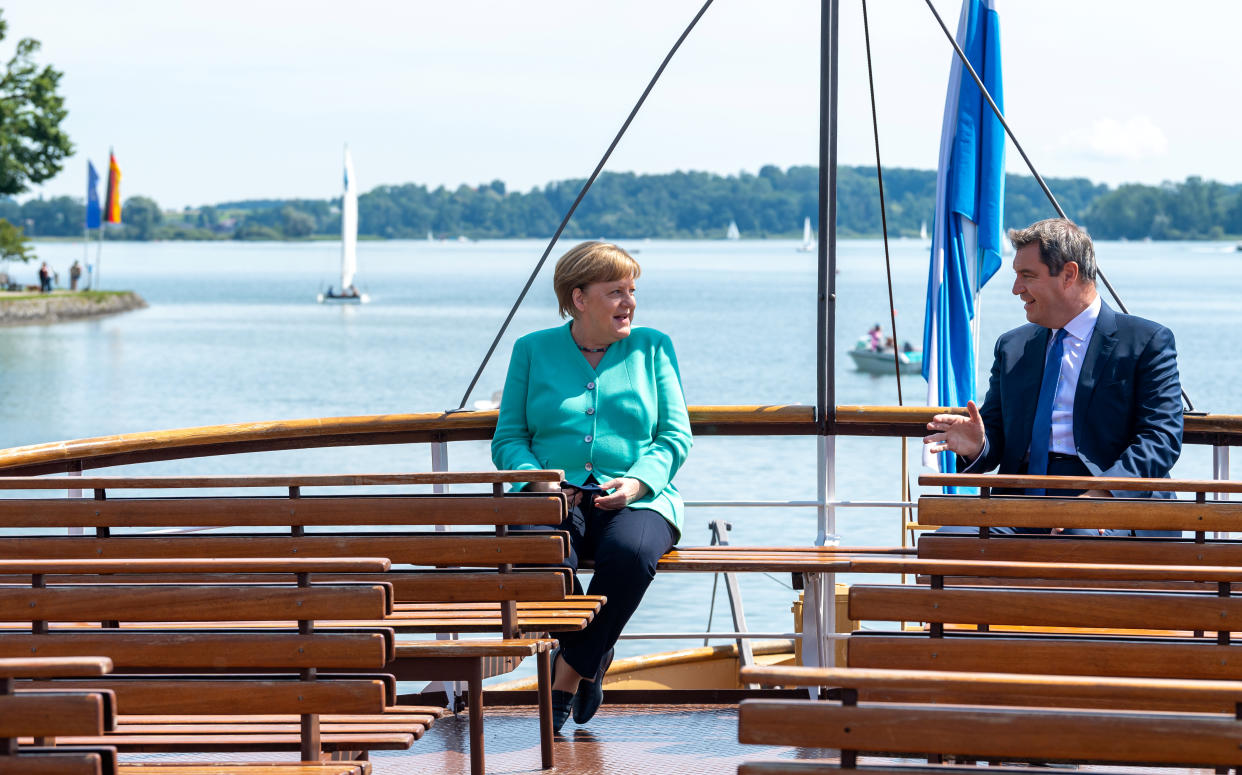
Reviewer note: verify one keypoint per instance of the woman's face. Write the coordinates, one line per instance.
(605, 310)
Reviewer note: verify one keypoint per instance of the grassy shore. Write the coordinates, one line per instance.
(95, 296)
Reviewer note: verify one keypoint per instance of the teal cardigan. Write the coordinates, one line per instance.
(626, 417)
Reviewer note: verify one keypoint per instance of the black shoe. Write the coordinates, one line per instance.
(562, 702)
(591, 693)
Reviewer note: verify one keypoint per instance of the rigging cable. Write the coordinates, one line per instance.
(1030, 165)
(572, 208)
(888, 270)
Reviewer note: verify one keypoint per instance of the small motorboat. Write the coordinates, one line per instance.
(871, 361)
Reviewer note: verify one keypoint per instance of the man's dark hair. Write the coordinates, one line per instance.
(1060, 241)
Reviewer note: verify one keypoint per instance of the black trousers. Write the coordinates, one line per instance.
(1060, 465)
(625, 545)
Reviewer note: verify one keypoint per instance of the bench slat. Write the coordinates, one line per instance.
(1051, 654)
(1041, 607)
(254, 512)
(457, 586)
(43, 762)
(245, 743)
(813, 767)
(51, 665)
(172, 696)
(1113, 513)
(149, 603)
(1076, 549)
(51, 714)
(442, 549)
(979, 687)
(257, 564)
(995, 732)
(1048, 570)
(185, 650)
(1079, 482)
(264, 768)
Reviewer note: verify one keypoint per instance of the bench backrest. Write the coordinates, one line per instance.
(49, 714)
(1136, 632)
(50, 618)
(448, 566)
(973, 715)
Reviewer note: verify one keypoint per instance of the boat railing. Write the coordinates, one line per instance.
(440, 429)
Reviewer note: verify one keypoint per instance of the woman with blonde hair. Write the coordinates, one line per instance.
(601, 400)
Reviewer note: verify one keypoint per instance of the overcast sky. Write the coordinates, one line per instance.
(213, 101)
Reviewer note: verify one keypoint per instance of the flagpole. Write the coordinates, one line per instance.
(98, 258)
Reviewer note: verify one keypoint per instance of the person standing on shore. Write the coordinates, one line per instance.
(75, 274)
(45, 278)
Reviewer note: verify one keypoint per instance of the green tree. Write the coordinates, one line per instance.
(13, 244)
(142, 216)
(33, 146)
(296, 224)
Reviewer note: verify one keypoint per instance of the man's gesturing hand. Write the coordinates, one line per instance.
(955, 433)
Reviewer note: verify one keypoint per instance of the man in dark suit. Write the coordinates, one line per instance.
(1112, 407)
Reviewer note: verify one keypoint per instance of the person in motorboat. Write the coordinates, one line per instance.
(601, 400)
(1079, 391)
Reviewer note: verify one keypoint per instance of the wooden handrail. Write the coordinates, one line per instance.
(279, 480)
(744, 420)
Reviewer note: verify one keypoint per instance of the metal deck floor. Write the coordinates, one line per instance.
(681, 739)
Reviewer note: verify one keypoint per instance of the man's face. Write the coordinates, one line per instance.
(1049, 300)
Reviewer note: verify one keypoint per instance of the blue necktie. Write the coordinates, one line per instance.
(1041, 429)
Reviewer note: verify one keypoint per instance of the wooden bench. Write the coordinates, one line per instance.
(459, 580)
(46, 715)
(1197, 519)
(992, 717)
(193, 683)
(1118, 631)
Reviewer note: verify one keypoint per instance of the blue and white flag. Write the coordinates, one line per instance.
(93, 211)
(970, 193)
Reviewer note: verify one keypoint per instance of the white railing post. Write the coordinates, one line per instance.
(76, 470)
(1220, 472)
(439, 463)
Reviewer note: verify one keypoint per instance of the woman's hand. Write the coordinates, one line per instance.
(624, 492)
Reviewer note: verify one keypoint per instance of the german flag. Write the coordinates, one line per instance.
(112, 204)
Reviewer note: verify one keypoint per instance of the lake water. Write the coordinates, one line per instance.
(233, 334)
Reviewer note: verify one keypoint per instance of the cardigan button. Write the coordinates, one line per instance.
(590, 386)
(589, 466)
(588, 438)
(590, 410)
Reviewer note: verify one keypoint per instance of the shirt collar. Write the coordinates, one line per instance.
(1084, 323)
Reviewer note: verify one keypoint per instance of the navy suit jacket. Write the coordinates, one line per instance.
(1127, 407)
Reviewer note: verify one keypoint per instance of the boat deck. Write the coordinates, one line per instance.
(683, 739)
(622, 738)
(667, 738)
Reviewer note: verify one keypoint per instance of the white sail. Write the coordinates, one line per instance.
(732, 232)
(349, 227)
(807, 239)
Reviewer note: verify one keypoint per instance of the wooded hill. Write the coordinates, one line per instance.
(699, 205)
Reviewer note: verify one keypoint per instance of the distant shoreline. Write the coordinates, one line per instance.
(20, 308)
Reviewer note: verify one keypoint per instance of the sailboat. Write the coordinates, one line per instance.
(923, 230)
(732, 232)
(808, 239)
(347, 293)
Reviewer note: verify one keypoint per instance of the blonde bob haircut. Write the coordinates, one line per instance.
(590, 262)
